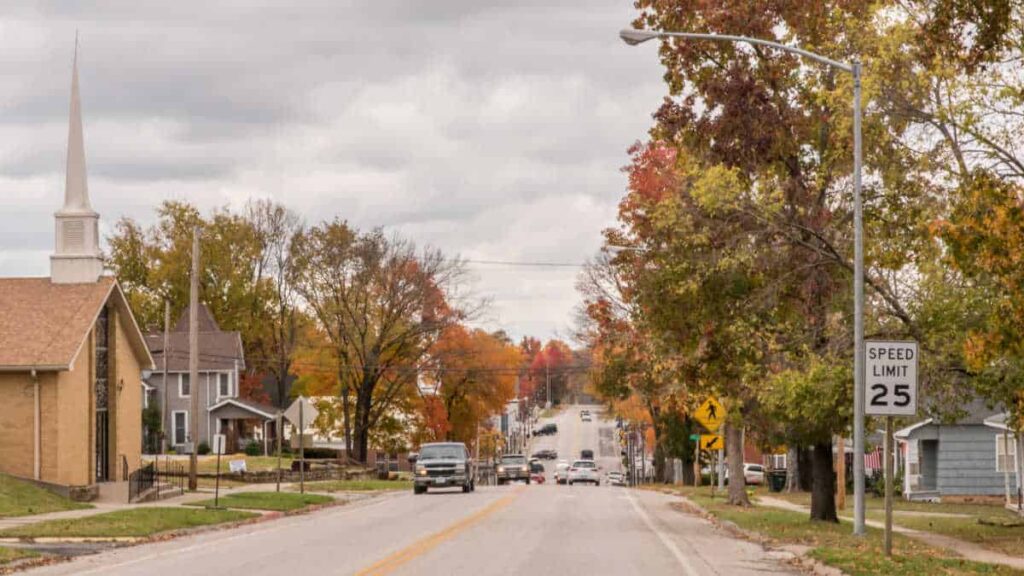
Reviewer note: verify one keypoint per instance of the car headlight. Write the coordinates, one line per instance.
(421, 471)
(460, 467)
(501, 468)
(523, 468)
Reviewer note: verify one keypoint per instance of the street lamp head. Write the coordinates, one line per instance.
(634, 37)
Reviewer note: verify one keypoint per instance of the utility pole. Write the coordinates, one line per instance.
(163, 401)
(193, 363)
(547, 378)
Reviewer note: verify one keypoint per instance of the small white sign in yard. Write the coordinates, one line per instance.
(891, 378)
(237, 466)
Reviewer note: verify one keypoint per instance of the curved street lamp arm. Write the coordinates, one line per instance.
(638, 36)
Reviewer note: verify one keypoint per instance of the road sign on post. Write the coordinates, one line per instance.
(710, 414)
(891, 379)
(890, 390)
(219, 442)
(712, 442)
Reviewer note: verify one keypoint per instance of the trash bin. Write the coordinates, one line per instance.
(777, 480)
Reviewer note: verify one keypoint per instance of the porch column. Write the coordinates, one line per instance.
(37, 435)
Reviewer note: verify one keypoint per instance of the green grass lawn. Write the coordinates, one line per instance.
(208, 463)
(356, 485)
(835, 545)
(8, 555)
(899, 504)
(134, 522)
(20, 498)
(277, 501)
(1005, 539)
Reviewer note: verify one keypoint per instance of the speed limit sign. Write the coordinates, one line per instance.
(891, 378)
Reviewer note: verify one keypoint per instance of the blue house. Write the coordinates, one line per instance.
(963, 458)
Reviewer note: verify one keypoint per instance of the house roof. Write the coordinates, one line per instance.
(218, 349)
(976, 413)
(256, 408)
(43, 325)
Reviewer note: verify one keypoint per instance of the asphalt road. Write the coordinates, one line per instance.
(518, 529)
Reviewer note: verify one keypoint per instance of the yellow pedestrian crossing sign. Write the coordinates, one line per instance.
(712, 442)
(710, 414)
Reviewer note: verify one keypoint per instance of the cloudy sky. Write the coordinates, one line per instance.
(495, 130)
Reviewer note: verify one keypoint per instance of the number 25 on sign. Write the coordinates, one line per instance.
(891, 378)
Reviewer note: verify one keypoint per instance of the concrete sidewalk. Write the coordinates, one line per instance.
(967, 550)
(178, 501)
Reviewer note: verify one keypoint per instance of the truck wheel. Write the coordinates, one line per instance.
(466, 488)
(419, 489)
(527, 481)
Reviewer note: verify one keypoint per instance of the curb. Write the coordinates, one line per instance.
(796, 555)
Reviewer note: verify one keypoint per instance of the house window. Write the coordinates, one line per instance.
(180, 427)
(223, 385)
(778, 461)
(1006, 453)
(184, 385)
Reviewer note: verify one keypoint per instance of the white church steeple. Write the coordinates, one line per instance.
(77, 255)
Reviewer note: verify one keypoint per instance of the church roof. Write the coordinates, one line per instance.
(44, 325)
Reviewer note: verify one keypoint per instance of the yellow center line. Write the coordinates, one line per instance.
(420, 547)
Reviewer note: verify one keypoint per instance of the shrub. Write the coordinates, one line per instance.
(204, 448)
(253, 449)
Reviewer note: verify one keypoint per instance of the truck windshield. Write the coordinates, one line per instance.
(513, 459)
(441, 453)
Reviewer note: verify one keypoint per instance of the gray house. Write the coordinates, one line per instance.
(221, 363)
(954, 459)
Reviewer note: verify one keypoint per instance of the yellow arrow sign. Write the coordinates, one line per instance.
(711, 442)
(710, 414)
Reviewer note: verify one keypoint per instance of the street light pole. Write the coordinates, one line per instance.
(634, 37)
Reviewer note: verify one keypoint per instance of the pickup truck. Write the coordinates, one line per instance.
(444, 465)
(513, 467)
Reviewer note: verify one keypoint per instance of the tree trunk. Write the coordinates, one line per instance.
(737, 480)
(793, 469)
(823, 500)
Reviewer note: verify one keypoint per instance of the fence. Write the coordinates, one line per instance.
(172, 473)
(141, 481)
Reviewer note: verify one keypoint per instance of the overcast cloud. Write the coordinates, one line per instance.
(492, 130)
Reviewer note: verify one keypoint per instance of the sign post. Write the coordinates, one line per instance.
(710, 415)
(298, 414)
(890, 390)
(218, 448)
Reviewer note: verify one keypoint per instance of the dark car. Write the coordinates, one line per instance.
(586, 454)
(546, 430)
(444, 465)
(512, 467)
(546, 454)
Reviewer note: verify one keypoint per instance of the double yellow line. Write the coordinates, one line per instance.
(422, 546)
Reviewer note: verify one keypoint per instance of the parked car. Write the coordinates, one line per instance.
(512, 467)
(546, 454)
(444, 465)
(753, 473)
(584, 471)
(586, 454)
(546, 430)
(616, 479)
(585, 416)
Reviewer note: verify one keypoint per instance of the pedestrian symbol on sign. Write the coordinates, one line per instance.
(711, 442)
(710, 414)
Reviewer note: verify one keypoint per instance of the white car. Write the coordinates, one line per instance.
(616, 479)
(753, 473)
(584, 471)
(562, 472)
(585, 417)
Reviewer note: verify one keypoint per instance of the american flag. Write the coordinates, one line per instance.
(874, 460)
